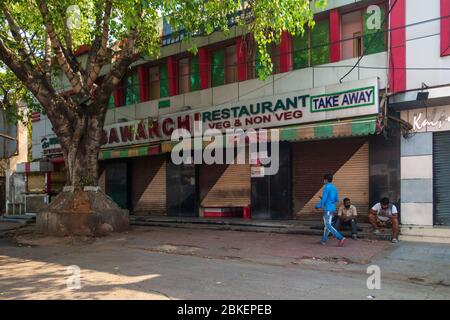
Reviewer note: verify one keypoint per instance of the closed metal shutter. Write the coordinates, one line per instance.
(346, 159)
(224, 185)
(441, 174)
(116, 181)
(148, 185)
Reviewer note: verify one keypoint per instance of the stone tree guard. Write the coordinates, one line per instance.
(82, 211)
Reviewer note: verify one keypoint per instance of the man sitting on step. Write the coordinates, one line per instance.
(384, 213)
(347, 216)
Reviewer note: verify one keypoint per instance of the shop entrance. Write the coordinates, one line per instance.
(181, 190)
(346, 159)
(271, 194)
(116, 183)
(224, 189)
(441, 174)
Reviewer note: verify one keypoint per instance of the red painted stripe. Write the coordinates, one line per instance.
(445, 28)
(241, 54)
(172, 71)
(118, 96)
(153, 150)
(285, 52)
(203, 61)
(143, 82)
(335, 35)
(397, 64)
(27, 167)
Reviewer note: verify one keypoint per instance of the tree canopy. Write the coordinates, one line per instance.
(38, 37)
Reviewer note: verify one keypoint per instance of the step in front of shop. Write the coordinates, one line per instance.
(436, 234)
(282, 226)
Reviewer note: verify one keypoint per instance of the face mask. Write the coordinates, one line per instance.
(347, 206)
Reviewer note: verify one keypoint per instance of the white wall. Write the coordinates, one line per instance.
(423, 45)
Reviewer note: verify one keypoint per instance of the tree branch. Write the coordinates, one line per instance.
(99, 49)
(47, 57)
(65, 60)
(15, 32)
(54, 105)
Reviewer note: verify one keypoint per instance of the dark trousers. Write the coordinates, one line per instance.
(351, 223)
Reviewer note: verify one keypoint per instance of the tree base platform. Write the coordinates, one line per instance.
(82, 212)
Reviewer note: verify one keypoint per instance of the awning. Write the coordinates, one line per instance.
(127, 152)
(315, 131)
(330, 129)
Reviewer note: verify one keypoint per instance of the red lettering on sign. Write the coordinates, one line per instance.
(126, 133)
(113, 138)
(167, 126)
(153, 130)
(140, 134)
(186, 123)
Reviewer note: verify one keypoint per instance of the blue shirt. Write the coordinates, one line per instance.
(329, 197)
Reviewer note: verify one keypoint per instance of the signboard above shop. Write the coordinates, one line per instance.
(342, 101)
(346, 100)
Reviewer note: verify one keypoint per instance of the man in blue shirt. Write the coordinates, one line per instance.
(327, 203)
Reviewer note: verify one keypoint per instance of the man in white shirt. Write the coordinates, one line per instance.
(383, 213)
(347, 216)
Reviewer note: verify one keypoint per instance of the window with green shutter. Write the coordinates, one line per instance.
(374, 39)
(320, 49)
(111, 104)
(131, 89)
(194, 74)
(218, 68)
(300, 48)
(163, 81)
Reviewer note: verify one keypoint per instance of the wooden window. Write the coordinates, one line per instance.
(183, 76)
(351, 30)
(357, 44)
(224, 66)
(154, 82)
(230, 64)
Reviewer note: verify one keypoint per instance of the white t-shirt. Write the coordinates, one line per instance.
(384, 214)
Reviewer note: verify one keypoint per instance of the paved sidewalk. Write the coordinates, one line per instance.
(267, 248)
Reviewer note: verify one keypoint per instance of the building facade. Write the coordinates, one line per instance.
(422, 97)
(329, 107)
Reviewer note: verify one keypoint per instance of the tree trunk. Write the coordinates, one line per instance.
(81, 152)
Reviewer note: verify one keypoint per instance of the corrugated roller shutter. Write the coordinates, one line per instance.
(441, 174)
(346, 159)
(148, 185)
(225, 185)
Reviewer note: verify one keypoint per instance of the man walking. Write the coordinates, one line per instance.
(327, 204)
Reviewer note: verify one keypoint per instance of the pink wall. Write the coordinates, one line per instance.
(351, 23)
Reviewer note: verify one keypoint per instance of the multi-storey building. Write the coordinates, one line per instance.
(334, 95)
(421, 49)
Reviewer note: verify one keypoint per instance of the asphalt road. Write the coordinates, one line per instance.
(142, 265)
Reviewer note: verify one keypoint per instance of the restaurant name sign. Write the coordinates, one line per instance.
(341, 101)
